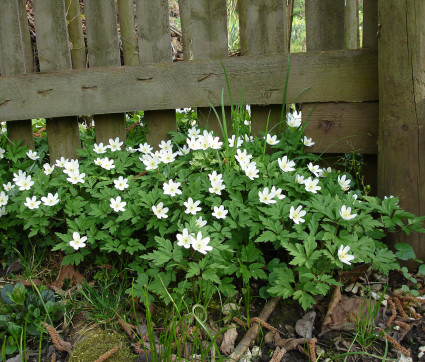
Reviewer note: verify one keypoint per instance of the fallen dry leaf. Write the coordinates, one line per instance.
(345, 312)
(229, 338)
(67, 272)
(304, 326)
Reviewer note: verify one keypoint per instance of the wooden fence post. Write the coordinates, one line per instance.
(16, 58)
(63, 134)
(401, 157)
(104, 51)
(204, 29)
(263, 31)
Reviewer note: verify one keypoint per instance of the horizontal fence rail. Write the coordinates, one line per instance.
(335, 76)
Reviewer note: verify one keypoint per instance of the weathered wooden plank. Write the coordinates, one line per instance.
(263, 31)
(153, 31)
(370, 24)
(52, 35)
(104, 51)
(154, 38)
(335, 76)
(76, 35)
(11, 48)
(102, 33)
(324, 24)
(128, 32)
(13, 61)
(54, 55)
(21, 131)
(262, 26)
(343, 127)
(204, 29)
(351, 24)
(401, 157)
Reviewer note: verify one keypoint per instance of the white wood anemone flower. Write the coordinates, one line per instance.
(343, 255)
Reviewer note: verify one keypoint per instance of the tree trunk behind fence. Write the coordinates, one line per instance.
(76, 35)
(402, 108)
(16, 58)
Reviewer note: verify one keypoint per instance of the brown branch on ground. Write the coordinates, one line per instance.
(278, 354)
(134, 125)
(108, 354)
(409, 298)
(143, 173)
(238, 321)
(393, 312)
(38, 133)
(399, 307)
(312, 349)
(253, 330)
(403, 325)
(128, 328)
(53, 359)
(59, 343)
(303, 351)
(395, 344)
(290, 343)
(264, 324)
(414, 314)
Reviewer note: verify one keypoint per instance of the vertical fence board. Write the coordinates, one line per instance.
(154, 38)
(351, 24)
(263, 31)
(370, 40)
(401, 152)
(63, 135)
(204, 29)
(13, 61)
(324, 24)
(103, 51)
(76, 35)
(370, 24)
(128, 32)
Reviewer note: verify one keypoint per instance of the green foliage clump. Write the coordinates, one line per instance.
(203, 213)
(21, 313)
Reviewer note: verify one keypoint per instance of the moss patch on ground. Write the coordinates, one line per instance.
(97, 342)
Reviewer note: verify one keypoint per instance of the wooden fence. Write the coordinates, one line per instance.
(85, 76)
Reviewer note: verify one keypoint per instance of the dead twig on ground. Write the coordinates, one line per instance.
(108, 354)
(278, 354)
(58, 342)
(395, 344)
(253, 330)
